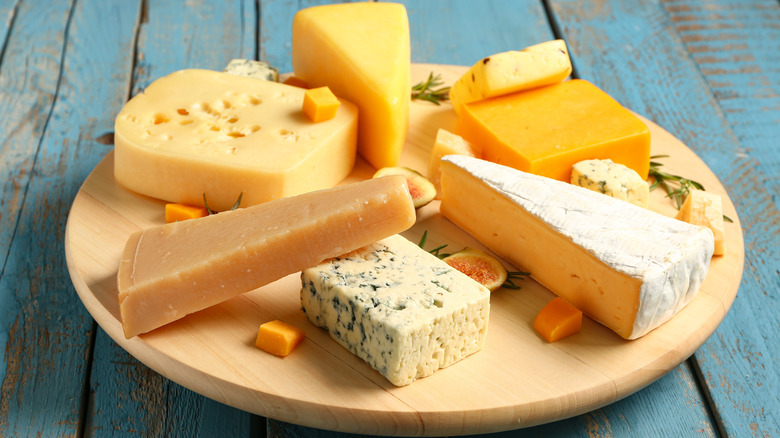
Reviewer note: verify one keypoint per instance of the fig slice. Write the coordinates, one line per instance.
(480, 266)
(421, 188)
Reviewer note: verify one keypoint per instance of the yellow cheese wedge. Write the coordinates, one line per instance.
(546, 130)
(705, 209)
(169, 271)
(508, 72)
(362, 52)
(447, 143)
(198, 132)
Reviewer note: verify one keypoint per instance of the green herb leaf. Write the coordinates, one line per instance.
(426, 90)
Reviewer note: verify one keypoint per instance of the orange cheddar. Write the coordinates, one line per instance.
(181, 212)
(547, 130)
(557, 320)
(320, 104)
(278, 338)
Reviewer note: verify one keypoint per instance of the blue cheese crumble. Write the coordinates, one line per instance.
(397, 307)
(253, 69)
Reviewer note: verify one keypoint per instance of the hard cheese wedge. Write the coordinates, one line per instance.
(508, 72)
(197, 133)
(627, 267)
(169, 271)
(362, 52)
(547, 130)
(705, 209)
(397, 307)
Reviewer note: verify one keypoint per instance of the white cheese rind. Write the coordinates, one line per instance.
(670, 257)
(399, 308)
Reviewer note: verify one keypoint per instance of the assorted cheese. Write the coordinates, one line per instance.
(362, 52)
(397, 307)
(627, 267)
(547, 130)
(171, 270)
(197, 133)
(611, 179)
(508, 72)
(705, 209)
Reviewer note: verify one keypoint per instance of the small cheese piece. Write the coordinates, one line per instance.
(362, 52)
(611, 179)
(447, 143)
(546, 130)
(558, 319)
(171, 270)
(705, 209)
(278, 338)
(398, 307)
(197, 133)
(320, 104)
(508, 72)
(627, 267)
(253, 69)
(180, 212)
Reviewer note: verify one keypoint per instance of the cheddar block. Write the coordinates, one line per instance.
(705, 209)
(320, 104)
(515, 70)
(278, 338)
(627, 267)
(171, 270)
(447, 143)
(546, 130)
(362, 52)
(198, 132)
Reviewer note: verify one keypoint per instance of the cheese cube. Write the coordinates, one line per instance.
(705, 209)
(611, 179)
(447, 143)
(546, 130)
(197, 133)
(399, 308)
(320, 104)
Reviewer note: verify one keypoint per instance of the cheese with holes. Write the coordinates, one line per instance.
(612, 179)
(362, 52)
(172, 270)
(397, 307)
(705, 209)
(627, 267)
(516, 70)
(546, 130)
(199, 133)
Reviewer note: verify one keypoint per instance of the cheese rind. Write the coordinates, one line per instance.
(627, 267)
(611, 179)
(546, 130)
(516, 70)
(197, 133)
(399, 308)
(171, 270)
(362, 52)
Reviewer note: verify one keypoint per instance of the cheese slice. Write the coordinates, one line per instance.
(627, 267)
(362, 52)
(516, 70)
(398, 307)
(200, 133)
(546, 130)
(705, 209)
(169, 271)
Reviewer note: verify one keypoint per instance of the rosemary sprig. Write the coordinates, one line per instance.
(425, 90)
(684, 185)
(235, 206)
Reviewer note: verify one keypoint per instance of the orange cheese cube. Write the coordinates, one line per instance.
(547, 130)
(181, 212)
(320, 104)
(278, 338)
(557, 320)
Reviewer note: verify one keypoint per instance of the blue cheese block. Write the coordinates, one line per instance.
(398, 307)
(611, 179)
(253, 69)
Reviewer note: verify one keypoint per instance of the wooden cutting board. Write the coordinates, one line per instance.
(517, 380)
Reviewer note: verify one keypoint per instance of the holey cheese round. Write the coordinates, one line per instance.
(197, 133)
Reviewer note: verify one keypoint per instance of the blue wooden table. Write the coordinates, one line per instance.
(708, 71)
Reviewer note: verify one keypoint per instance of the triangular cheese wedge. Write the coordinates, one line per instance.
(627, 267)
(362, 52)
(172, 270)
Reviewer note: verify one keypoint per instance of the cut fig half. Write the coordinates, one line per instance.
(422, 190)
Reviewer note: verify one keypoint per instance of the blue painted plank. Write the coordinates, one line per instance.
(717, 94)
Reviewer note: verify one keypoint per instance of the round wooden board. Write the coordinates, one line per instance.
(517, 380)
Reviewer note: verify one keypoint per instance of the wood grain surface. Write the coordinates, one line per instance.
(212, 351)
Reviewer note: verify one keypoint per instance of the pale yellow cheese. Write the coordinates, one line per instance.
(362, 52)
(447, 143)
(198, 132)
(508, 72)
(172, 270)
(705, 209)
